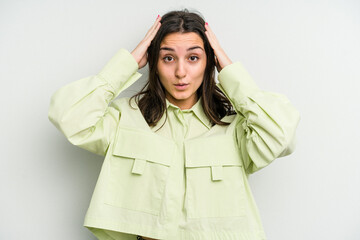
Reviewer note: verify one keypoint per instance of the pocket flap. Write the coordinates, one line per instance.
(212, 151)
(142, 145)
(139, 166)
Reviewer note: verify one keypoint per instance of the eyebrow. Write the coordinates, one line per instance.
(189, 49)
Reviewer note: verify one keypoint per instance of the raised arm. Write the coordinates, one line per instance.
(266, 122)
(81, 110)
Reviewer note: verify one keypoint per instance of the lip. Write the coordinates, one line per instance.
(181, 87)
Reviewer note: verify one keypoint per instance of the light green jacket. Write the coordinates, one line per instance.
(188, 180)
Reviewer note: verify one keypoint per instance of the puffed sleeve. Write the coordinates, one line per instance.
(82, 110)
(266, 122)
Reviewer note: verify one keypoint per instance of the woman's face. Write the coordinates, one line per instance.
(182, 60)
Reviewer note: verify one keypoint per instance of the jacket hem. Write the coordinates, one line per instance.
(98, 224)
(107, 224)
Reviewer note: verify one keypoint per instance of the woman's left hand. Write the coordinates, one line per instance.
(221, 59)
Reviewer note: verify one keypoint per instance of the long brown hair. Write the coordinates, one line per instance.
(153, 104)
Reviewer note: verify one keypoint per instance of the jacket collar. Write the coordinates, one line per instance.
(197, 109)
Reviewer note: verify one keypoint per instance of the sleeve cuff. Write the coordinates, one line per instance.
(120, 68)
(236, 81)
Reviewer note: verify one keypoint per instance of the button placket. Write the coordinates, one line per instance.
(183, 118)
(180, 116)
(187, 119)
(178, 132)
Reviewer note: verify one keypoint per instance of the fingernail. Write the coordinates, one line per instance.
(206, 23)
(157, 16)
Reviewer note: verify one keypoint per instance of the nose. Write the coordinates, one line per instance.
(180, 70)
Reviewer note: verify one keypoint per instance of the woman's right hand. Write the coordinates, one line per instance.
(140, 52)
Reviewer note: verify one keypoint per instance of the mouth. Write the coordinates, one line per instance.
(181, 86)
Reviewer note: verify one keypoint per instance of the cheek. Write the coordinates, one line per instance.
(199, 82)
(199, 75)
(164, 80)
(162, 70)
(162, 75)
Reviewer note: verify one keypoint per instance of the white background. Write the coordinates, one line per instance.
(307, 50)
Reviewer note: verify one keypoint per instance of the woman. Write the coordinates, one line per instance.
(177, 159)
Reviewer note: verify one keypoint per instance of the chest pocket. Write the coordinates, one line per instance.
(138, 168)
(215, 178)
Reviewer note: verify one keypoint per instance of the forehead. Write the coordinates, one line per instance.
(182, 40)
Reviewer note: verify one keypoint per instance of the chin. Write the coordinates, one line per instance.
(181, 96)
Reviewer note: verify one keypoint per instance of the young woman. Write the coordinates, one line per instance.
(177, 159)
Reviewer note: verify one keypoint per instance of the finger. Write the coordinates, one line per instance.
(208, 36)
(210, 32)
(208, 28)
(212, 35)
(152, 34)
(214, 43)
(156, 23)
(154, 28)
(211, 40)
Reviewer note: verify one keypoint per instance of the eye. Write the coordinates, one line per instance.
(194, 57)
(166, 58)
